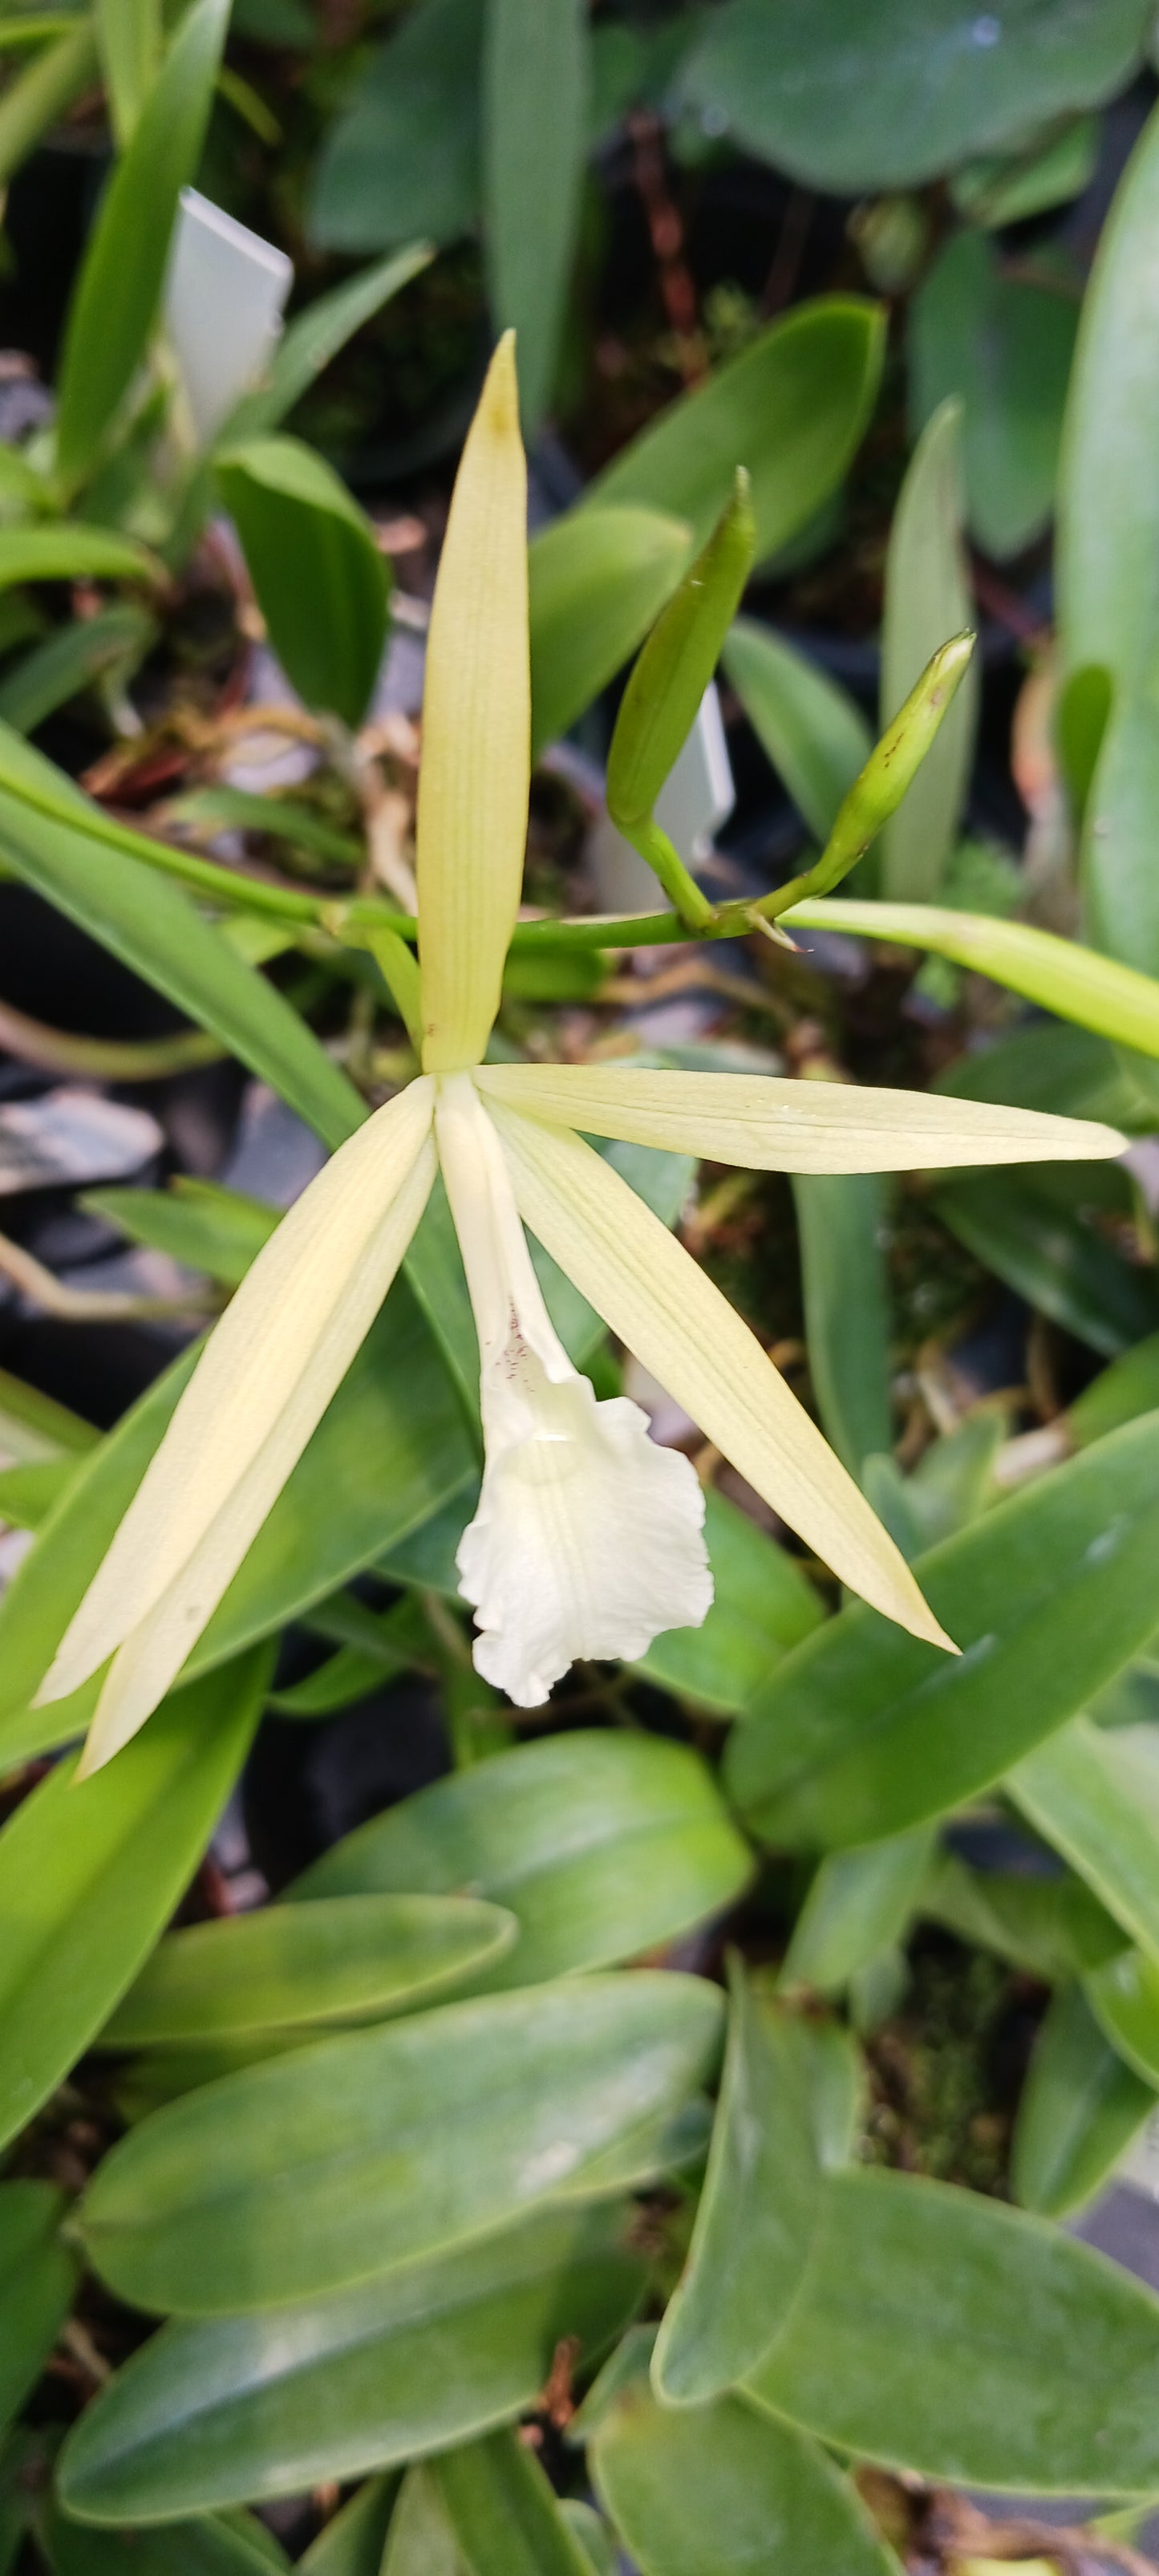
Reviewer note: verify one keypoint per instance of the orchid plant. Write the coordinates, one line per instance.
(588, 1538)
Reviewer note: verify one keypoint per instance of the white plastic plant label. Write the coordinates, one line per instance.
(697, 797)
(224, 296)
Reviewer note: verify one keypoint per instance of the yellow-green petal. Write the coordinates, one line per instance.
(476, 755)
(264, 1380)
(666, 1310)
(769, 1125)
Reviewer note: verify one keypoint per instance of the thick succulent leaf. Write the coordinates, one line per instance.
(1124, 1993)
(863, 1731)
(91, 1873)
(756, 2217)
(713, 2488)
(852, 101)
(321, 583)
(992, 2399)
(1079, 2109)
(1056, 1256)
(345, 1959)
(792, 409)
(253, 2406)
(201, 2548)
(858, 1905)
(762, 1604)
(1094, 1793)
(38, 2275)
(502, 2511)
(343, 2160)
(603, 1845)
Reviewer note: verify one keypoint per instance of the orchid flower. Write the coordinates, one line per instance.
(588, 1538)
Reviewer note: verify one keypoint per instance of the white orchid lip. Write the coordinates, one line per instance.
(588, 1540)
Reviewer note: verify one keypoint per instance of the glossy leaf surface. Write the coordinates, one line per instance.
(1124, 1994)
(37, 2278)
(344, 2159)
(1079, 2110)
(993, 2398)
(762, 1605)
(756, 2216)
(926, 601)
(255, 2406)
(1094, 1794)
(840, 1229)
(602, 1845)
(716, 2491)
(321, 583)
(863, 1731)
(502, 2511)
(348, 1958)
(791, 409)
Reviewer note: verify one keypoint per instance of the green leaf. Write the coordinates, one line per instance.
(993, 2398)
(666, 685)
(858, 1905)
(403, 157)
(1058, 974)
(927, 599)
(320, 2169)
(432, 2354)
(34, 1426)
(351, 1958)
(70, 550)
(70, 660)
(1019, 1225)
(602, 1845)
(840, 1228)
(813, 731)
(1120, 908)
(792, 409)
(153, 926)
(864, 1731)
(502, 2511)
(196, 1222)
(1124, 1993)
(1108, 518)
(209, 2548)
(322, 585)
(38, 2275)
(1003, 346)
(756, 2217)
(397, 1639)
(592, 2533)
(1053, 1927)
(34, 100)
(353, 2542)
(315, 336)
(762, 1604)
(1050, 1066)
(535, 81)
(421, 2541)
(716, 2487)
(1079, 2110)
(130, 34)
(115, 299)
(598, 579)
(1094, 1794)
(851, 102)
(92, 1872)
(1009, 187)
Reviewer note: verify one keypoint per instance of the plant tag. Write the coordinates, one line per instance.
(697, 797)
(224, 296)
(1139, 2168)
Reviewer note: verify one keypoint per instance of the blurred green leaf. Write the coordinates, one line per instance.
(1052, 1254)
(34, 100)
(927, 599)
(429, 2355)
(70, 550)
(402, 158)
(316, 335)
(813, 731)
(71, 660)
(209, 2548)
(762, 1604)
(130, 34)
(864, 1731)
(114, 302)
(320, 2169)
(1078, 2111)
(792, 408)
(534, 91)
(1055, 1928)
(354, 2539)
(598, 579)
(1003, 345)
(1094, 1794)
(502, 2511)
(92, 1872)
(859, 1904)
(421, 2541)
(1124, 1993)
(1052, 1065)
(841, 1231)
(757, 2214)
(602, 1845)
(196, 1222)
(38, 2275)
(321, 583)
(851, 102)
(723, 2487)
(1009, 187)
(993, 2398)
